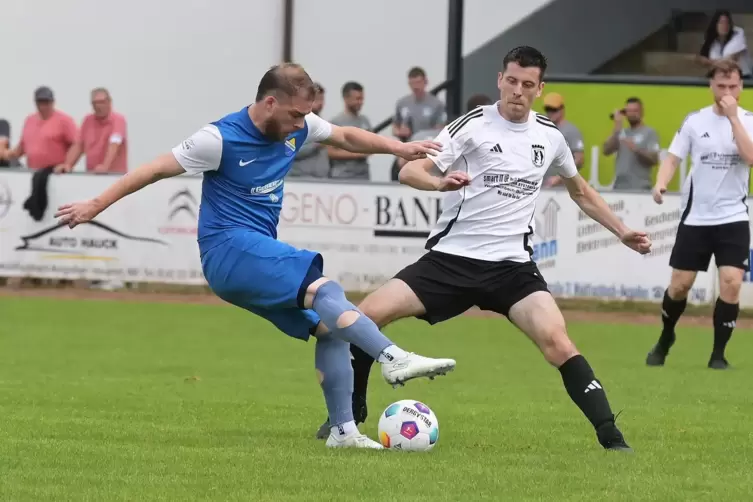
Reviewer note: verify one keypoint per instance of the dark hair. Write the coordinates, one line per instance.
(725, 67)
(526, 57)
(477, 100)
(351, 86)
(287, 79)
(416, 71)
(712, 34)
(635, 100)
(318, 88)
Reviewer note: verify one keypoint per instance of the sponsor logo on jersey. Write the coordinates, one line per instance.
(268, 188)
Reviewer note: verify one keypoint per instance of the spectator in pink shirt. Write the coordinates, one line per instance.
(46, 136)
(102, 139)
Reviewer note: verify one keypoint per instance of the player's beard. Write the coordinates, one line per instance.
(273, 130)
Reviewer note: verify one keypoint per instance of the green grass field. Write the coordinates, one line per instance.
(105, 401)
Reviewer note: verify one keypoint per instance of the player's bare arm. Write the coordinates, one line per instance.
(594, 206)
(356, 140)
(728, 105)
(164, 166)
(666, 171)
(423, 174)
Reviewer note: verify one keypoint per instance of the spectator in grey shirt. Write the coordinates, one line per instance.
(312, 160)
(418, 111)
(554, 107)
(430, 134)
(347, 165)
(636, 146)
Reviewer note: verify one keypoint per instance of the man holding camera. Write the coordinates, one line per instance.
(636, 146)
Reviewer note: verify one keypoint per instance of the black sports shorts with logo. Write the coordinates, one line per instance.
(448, 285)
(694, 245)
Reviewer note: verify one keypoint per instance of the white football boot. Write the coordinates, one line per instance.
(353, 440)
(399, 371)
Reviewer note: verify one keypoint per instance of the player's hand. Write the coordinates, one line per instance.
(78, 212)
(658, 192)
(454, 181)
(418, 149)
(637, 241)
(728, 105)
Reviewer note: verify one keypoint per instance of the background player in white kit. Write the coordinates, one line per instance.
(715, 214)
(493, 161)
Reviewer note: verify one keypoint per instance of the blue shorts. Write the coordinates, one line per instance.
(264, 276)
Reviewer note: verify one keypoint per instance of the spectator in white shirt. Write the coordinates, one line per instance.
(724, 40)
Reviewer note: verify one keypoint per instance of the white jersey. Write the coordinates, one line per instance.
(492, 219)
(716, 190)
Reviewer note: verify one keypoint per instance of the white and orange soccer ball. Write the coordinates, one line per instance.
(408, 425)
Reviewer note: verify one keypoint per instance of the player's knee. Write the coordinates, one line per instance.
(311, 291)
(729, 288)
(557, 346)
(347, 318)
(679, 289)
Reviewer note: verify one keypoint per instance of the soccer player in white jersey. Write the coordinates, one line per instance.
(492, 165)
(714, 219)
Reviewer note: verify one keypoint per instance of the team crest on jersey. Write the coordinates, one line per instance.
(290, 144)
(537, 155)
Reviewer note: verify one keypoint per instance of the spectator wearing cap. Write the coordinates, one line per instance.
(102, 139)
(554, 107)
(46, 135)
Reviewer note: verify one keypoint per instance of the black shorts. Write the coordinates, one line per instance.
(694, 245)
(448, 285)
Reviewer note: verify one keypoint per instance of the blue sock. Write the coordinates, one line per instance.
(330, 303)
(332, 360)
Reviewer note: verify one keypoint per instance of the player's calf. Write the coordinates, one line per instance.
(328, 300)
(672, 308)
(538, 316)
(726, 311)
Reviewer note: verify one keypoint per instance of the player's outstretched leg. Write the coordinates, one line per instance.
(327, 299)
(361, 363)
(332, 359)
(672, 307)
(538, 316)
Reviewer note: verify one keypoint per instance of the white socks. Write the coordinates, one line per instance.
(344, 430)
(391, 353)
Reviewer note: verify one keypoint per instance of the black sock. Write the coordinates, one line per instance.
(361, 369)
(586, 391)
(725, 317)
(671, 310)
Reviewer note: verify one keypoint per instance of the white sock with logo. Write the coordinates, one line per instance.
(391, 353)
(343, 430)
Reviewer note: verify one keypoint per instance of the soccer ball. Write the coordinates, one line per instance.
(408, 425)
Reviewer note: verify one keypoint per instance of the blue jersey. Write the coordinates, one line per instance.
(243, 171)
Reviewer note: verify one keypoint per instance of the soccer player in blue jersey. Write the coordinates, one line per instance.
(244, 158)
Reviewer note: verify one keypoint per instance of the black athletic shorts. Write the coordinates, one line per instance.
(448, 285)
(694, 245)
